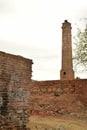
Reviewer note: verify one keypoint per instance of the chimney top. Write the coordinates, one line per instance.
(66, 21)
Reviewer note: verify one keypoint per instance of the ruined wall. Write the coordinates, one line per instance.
(59, 97)
(20, 97)
(15, 77)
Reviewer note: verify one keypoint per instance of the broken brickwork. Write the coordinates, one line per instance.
(15, 77)
(59, 97)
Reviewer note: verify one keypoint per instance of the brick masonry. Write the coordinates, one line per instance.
(15, 77)
(66, 72)
(19, 96)
(59, 97)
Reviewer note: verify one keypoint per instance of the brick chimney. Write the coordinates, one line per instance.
(66, 72)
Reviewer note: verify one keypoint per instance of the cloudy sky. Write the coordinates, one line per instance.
(32, 28)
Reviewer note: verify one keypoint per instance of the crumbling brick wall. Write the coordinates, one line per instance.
(15, 77)
(58, 97)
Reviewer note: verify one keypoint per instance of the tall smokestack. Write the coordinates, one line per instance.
(66, 72)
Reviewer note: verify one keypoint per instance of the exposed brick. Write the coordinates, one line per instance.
(58, 97)
(66, 72)
(15, 77)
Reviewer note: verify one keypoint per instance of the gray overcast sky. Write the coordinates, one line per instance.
(32, 28)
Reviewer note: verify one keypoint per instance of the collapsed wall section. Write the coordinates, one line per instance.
(59, 97)
(15, 77)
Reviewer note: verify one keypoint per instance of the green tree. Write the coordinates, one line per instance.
(80, 48)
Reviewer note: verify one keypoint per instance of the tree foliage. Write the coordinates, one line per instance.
(80, 48)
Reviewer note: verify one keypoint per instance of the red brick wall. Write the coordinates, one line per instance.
(15, 77)
(40, 86)
(46, 97)
(58, 97)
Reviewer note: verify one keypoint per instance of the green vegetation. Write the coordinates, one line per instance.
(80, 48)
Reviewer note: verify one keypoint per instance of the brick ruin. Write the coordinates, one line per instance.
(21, 97)
(15, 77)
(59, 97)
(65, 96)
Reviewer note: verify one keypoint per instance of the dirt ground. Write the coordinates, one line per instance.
(51, 123)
